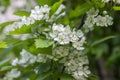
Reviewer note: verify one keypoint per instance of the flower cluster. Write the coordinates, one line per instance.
(94, 19)
(64, 35)
(74, 60)
(26, 59)
(14, 73)
(39, 13)
(59, 52)
(76, 64)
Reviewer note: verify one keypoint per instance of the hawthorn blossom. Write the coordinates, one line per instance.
(64, 35)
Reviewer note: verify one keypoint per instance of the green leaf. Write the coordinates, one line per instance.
(55, 7)
(44, 71)
(22, 30)
(4, 62)
(2, 25)
(102, 40)
(3, 44)
(22, 13)
(35, 50)
(42, 43)
(66, 77)
(44, 67)
(5, 3)
(116, 8)
(6, 23)
(26, 29)
(5, 68)
(44, 76)
(43, 2)
(93, 77)
(79, 10)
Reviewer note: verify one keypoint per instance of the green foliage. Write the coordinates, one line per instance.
(42, 43)
(102, 40)
(98, 51)
(4, 62)
(5, 3)
(21, 13)
(80, 9)
(3, 44)
(97, 45)
(66, 77)
(6, 68)
(115, 55)
(55, 7)
(43, 2)
(93, 77)
(116, 8)
(3, 25)
(22, 30)
(35, 50)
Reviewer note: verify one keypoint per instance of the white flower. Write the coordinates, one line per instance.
(45, 9)
(94, 19)
(109, 20)
(15, 62)
(60, 33)
(14, 73)
(41, 58)
(79, 44)
(60, 52)
(103, 21)
(74, 36)
(40, 13)
(76, 64)
(64, 35)
(27, 20)
(89, 24)
(25, 60)
(92, 12)
(63, 38)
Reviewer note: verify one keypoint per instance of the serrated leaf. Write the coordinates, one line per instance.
(3, 44)
(43, 2)
(22, 13)
(42, 43)
(55, 7)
